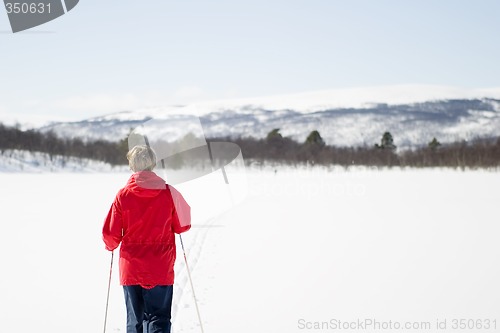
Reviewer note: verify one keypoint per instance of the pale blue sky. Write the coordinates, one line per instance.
(107, 56)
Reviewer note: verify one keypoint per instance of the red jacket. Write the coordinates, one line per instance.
(143, 218)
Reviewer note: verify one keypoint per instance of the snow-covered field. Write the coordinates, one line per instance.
(303, 250)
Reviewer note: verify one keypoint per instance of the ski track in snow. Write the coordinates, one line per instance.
(194, 246)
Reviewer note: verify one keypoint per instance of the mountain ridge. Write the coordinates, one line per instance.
(412, 124)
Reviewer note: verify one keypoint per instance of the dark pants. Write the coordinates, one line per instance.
(148, 310)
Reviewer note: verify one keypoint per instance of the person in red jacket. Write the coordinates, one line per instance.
(144, 218)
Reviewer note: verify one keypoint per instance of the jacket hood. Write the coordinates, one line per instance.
(145, 184)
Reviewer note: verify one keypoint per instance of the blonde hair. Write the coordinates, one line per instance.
(141, 158)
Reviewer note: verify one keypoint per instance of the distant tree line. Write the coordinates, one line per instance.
(36, 141)
(479, 153)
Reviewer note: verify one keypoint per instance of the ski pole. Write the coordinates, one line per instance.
(109, 287)
(191, 282)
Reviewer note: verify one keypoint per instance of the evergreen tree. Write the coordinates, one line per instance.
(275, 144)
(387, 142)
(434, 144)
(274, 134)
(315, 138)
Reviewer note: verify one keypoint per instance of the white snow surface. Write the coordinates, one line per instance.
(304, 247)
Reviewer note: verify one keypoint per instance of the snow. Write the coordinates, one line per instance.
(303, 246)
(414, 114)
(355, 97)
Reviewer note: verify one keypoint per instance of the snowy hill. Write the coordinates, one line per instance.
(355, 117)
